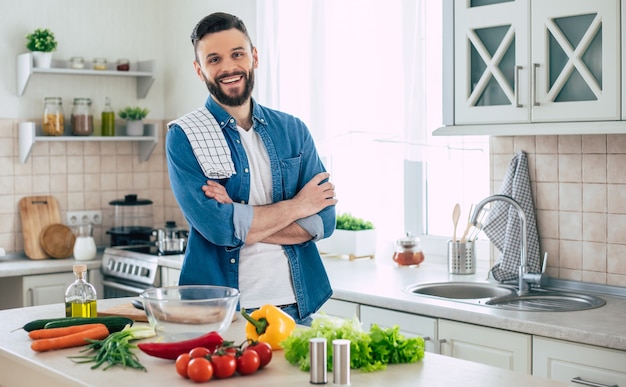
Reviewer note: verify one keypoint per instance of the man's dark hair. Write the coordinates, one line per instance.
(216, 22)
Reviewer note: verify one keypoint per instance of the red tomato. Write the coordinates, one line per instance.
(182, 361)
(224, 366)
(264, 350)
(248, 362)
(200, 370)
(199, 352)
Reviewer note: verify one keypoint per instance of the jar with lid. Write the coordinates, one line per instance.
(53, 119)
(123, 65)
(77, 62)
(82, 119)
(408, 251)
(100, 64)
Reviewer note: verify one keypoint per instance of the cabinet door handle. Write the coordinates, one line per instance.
(534, 88)
(442, 341)
(426, 338)
(579, 380)
(516, 86)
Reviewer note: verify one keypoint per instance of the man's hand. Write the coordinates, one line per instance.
(315, 195)
(215, 190)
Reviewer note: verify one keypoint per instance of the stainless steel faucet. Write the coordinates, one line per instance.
(525, 278)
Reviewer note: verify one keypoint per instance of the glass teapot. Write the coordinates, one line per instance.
(408, 251)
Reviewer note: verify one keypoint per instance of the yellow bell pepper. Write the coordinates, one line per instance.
(269, 324)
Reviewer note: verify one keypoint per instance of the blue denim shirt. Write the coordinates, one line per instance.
(218, 231)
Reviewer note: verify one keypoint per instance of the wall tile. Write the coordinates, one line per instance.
(547, 144)
(616, 168)
(594, 143)
(570, 144)
(547, 168)
(594, 257)
(570, 168)
(570, 197)
(595, 197)
(594, 168)
(616, 198)
(594, 227)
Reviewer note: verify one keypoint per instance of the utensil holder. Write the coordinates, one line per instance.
(461, 257)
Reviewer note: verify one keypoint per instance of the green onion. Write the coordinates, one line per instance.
(116, 349)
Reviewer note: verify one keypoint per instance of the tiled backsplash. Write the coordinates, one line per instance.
(84, 175)
(579, 190)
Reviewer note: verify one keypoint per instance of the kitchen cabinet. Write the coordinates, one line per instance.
(44, 289)
(410, 325)
(339, 308)
(30, 133)
(144, 72)
(578, 363)
(495, 347)
(169, 276)
(532, 67)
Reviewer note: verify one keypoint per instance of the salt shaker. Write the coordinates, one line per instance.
(317, 352)
(341, 362)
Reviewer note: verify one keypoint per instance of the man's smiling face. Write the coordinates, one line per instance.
(225, 61)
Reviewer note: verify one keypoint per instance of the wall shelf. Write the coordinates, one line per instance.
(30, 133)
(144, 72)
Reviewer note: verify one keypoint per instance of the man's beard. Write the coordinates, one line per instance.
(225, 99)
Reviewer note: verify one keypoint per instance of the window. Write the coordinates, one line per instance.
(366, 79)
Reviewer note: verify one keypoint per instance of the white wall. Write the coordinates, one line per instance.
(133, 29)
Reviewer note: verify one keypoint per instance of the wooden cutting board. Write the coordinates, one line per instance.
(125, 310)
(37, 212)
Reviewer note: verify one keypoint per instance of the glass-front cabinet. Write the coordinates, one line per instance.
(527, 61)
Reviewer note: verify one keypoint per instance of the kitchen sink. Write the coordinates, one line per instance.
(505, 296)
(547, 301)
(462, 290)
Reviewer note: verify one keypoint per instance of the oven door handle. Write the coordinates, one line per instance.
(117, 285)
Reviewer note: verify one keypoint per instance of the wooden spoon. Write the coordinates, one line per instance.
(456, 214)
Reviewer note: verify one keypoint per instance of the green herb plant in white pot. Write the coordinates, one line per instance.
(41, 43)
(134, 119)
(353, 237)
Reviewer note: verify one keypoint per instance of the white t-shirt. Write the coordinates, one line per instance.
(264, 275)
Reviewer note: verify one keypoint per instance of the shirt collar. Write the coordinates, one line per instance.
(223, 118)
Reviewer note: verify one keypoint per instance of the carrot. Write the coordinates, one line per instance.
(58, 332)
(73, 340)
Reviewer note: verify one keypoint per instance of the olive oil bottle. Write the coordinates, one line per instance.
(80, 296)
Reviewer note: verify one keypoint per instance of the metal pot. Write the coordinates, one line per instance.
(170, 246)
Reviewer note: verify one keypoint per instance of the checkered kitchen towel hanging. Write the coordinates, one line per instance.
(208, 143)
(503, 224)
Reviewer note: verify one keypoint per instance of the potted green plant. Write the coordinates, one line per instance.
(353, 236)
(134, 119)
(41, 43)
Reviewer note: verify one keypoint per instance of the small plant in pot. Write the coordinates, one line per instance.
(353, 236)
(42, 43)
(134, 119)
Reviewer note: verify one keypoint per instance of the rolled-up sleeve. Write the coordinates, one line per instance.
(313, 225)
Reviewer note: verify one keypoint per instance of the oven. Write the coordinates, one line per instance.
(129, 270)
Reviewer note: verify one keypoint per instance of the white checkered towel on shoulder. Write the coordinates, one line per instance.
(208, 143)
(503, 224)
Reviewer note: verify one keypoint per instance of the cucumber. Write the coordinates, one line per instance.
(113, 323)
(40, 324)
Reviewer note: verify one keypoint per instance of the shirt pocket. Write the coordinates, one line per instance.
(290, 169)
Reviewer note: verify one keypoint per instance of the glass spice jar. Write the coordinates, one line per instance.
(82, 118)
(100, 64)
(77, 62)
(53, 118)
(123, 65)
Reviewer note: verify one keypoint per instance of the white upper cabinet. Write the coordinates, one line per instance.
(491, 61)
(532, 62)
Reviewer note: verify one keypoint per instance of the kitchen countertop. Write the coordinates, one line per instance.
(19, 365)
(378, 284)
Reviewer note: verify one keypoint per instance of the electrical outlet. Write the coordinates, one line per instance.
(77, 218)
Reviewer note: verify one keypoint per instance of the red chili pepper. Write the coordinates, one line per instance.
(211, 340)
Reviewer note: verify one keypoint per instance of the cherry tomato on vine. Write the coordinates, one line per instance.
(264, 350)
(200, 369)
(248, 362)
(182, 362)
(224, 366)
(199, 352)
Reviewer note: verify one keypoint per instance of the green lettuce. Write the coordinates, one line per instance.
(369, 351)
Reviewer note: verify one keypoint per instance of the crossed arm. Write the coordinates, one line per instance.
(276, 223)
